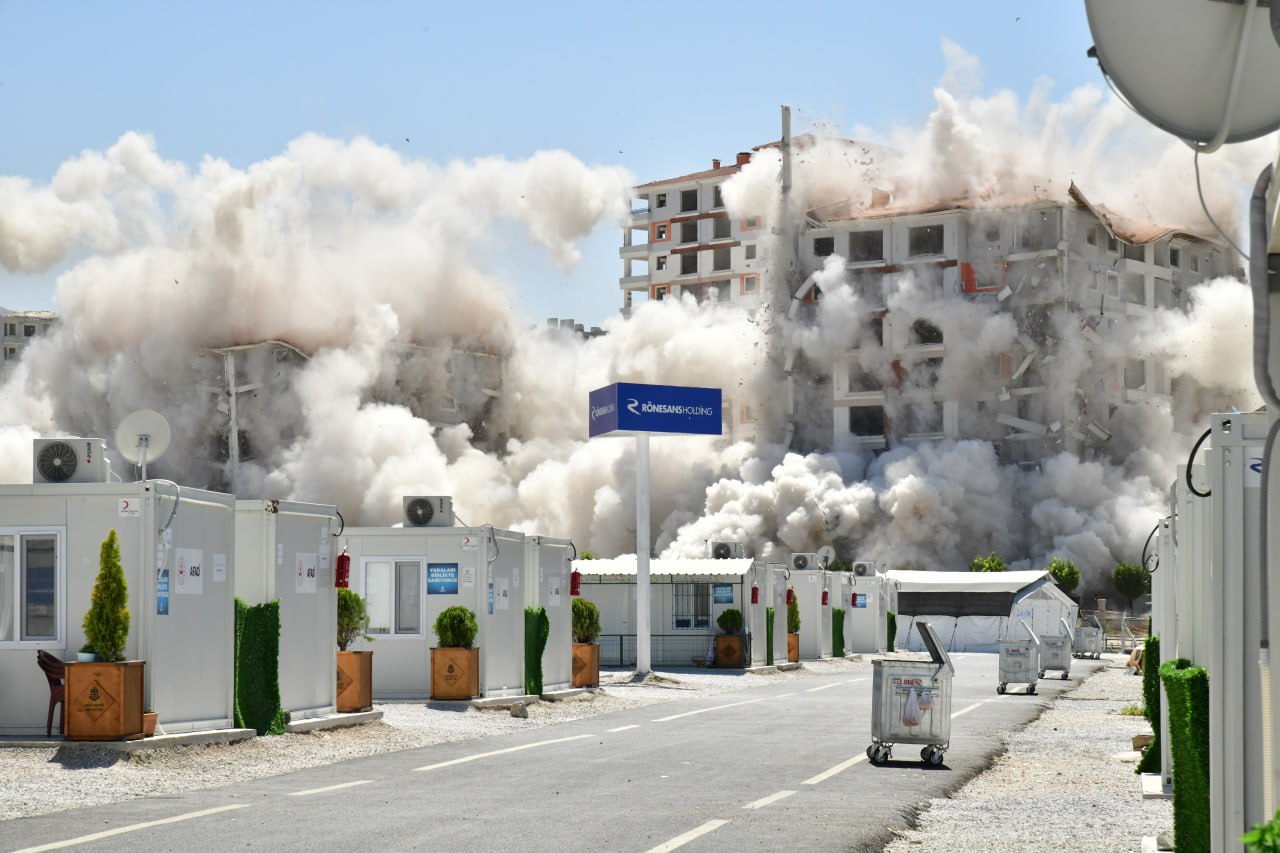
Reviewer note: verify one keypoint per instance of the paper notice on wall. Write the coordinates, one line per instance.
(304, 574)
(468, 575)
(189, 572)
(501, 593)
(129, 508)
(470, 543)
(219, 568)
(553, 591)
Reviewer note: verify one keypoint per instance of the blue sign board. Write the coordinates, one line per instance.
(627, 407)
(442, 578)
(722, 593)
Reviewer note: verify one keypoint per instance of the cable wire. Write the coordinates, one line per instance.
(1192, 458)
(1200, 192)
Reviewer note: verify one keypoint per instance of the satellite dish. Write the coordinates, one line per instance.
(1203, 71)
(143, 437)
(826, 556)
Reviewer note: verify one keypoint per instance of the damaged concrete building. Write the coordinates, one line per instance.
(1070, 274)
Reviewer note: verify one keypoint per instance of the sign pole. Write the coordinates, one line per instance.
(642, 553)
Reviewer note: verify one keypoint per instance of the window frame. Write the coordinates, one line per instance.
(395, 561)
(687, 597)
(18, 584)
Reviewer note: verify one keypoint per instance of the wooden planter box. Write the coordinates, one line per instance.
(455, 673)
(729, 650)
(104, 700)
(355, 682)
(586, 664)
(793, 648)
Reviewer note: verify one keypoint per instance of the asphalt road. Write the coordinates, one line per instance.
(775, 767)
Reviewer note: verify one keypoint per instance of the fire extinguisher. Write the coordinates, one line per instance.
(791, 596)
(755, 594)
(575, 583)
(826, 598)
(342, 574)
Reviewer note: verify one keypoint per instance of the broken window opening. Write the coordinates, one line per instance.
(661, 200)
(924, 332)
(720, 231)
(824, 246)
(660, 263)
(689, 263)
(659, 232)
(1135, 288)
(867, 421)
(1175, 257)
(688, 232)
(1135, 253)
(866, 246)
(924, 240)
(877, 329)
(750, 284)
(720, 260)
(688, 201)
(862, 379)
(749, 252)
(717, 200)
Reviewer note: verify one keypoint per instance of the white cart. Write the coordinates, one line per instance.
(911, 701)
(1055, 651)
(1019, 661)
(1088, 640)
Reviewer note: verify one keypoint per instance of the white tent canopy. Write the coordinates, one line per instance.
(971, 611)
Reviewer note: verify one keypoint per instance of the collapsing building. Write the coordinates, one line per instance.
(1062, 278)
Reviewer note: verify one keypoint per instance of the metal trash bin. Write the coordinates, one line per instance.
(1019, 661)
(1055, 651)
(911, 701)
(1088, 640)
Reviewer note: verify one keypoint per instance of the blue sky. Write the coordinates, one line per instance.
(660, 88)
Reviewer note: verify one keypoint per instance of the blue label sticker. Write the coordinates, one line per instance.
(859, 599)
(162, 593)
(722, 593)
(442, 578)
(628, 407)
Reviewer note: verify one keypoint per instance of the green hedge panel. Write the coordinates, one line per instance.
(257, 677)
(1187, 689)
(837, 632)
(892, 631)
(537, 628)
(768, 636)
(1150, 761)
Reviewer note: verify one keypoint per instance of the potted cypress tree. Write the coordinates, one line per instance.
(586, 651)
(104, 699)
(355, 668)
(455, 662)
(793, 627)
(729, 644)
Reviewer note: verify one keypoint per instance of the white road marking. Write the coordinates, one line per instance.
(329, 788)
(682, 840)
(839, 768)
(783, 695)
(706, 710)
(970, 708)
(823, 687)
(856, 681)
(121, 830)
(480, 755)
(769, 800)
(623, 728)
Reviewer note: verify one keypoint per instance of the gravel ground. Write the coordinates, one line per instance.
(1060, 786)
(1066, 782)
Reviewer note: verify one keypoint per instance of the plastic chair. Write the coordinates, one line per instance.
(55, 671)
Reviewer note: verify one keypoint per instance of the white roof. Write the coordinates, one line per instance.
(626, 565)
(910, 581)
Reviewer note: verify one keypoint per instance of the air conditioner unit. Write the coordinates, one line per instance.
(728, 550)
(70, 460)
(864, 570)
(433, 511)
(800, 562)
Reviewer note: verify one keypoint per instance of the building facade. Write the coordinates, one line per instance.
(19, 329)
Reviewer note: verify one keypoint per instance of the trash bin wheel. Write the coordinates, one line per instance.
(871, 752)
(925, 753)
(1031, 689)
(1065, 675)
(935, 756)
(1000, 688)
(1040, 674)
(882, 754)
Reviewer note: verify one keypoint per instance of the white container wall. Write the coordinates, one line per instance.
(408, 575)
(815, 617)
(285, 551)
(866, 623)
(777, 596)
(177, 550)
(550, 559)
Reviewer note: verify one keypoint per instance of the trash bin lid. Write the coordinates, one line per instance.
(934, 645)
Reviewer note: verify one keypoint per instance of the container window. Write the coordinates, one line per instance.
(691, 606)
(408, 598)
(8, 576)
(377, 595)
(39, 587)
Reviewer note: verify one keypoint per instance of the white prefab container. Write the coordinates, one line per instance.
(548, 561)
(408, 575)
(284, 551)
(686, 600)
(815, 616)
(177, 548)
(866, 614)
(1019, 661)
(911, 701)
(1055, 651)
